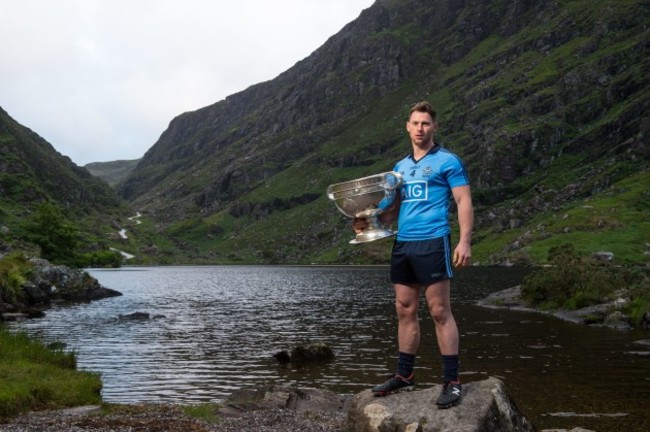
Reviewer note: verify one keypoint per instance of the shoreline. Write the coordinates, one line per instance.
(604, 314)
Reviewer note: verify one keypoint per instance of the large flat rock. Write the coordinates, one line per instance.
(485, 407)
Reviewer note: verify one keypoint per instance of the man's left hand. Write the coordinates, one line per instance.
(462, 256)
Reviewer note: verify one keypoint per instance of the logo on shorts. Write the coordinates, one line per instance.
(437, 275)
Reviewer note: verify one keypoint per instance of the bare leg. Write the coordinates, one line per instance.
(408, 326)
(437, 296)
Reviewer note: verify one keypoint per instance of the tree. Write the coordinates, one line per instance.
(53, 233)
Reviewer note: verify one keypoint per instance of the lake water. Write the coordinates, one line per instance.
(219, 327)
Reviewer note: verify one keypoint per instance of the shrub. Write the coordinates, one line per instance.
(639, 300)
(53, 233)
(98, 259)
(14, 271)
(574, 281)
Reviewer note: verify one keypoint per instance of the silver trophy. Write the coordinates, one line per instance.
(367, 198)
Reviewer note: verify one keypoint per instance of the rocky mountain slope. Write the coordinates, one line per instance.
(113, 172)
(33, 172)
(547, 103)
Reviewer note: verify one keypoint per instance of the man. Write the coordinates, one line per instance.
(421, 258)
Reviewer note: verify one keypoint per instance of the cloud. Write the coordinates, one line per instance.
(101, 79)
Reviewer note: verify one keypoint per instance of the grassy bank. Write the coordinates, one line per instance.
(576, 280)
(34, 376)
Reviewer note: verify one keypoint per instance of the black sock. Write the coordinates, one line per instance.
(450, 364)
(405, 364)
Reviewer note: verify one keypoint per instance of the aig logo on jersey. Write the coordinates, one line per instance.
(415, 191)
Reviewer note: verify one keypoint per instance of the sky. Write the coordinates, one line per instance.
(100, 80)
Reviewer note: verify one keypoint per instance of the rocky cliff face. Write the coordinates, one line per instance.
(545, 101)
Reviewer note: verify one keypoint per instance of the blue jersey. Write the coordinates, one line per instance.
(426, 193)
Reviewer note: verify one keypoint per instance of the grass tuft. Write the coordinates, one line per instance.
(34, 376)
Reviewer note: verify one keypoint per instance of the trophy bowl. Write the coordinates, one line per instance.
(367, 198)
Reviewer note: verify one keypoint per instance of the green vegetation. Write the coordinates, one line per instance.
(14, 271)
(34, 376)
(53, 233)
(207, 412)
(60, 241)
(614, 220)
(574, 281)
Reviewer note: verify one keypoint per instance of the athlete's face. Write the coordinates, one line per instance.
(421, 128)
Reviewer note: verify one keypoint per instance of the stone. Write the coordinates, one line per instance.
(60, 282)
(617, 320)
(509, 298)
(34, 294)
(645, 321)
(135, 316)
(485, 406)
(603, 256)
(283, 397)
(306, 353)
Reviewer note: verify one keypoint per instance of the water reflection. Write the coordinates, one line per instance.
(220, 327)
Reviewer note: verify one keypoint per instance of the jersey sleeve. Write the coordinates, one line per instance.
(455, 172)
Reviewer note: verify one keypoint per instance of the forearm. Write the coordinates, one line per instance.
(466, 221)
(463, 198)
(391, 214)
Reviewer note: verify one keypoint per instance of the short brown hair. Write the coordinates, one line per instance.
(424, 107)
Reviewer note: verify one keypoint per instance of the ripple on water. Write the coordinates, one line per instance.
(221, 325)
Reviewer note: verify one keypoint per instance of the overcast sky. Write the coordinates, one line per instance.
(101, 79)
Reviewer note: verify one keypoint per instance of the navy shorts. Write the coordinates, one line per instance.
(423, 262)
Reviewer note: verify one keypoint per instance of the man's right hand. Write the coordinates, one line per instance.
(359, 224)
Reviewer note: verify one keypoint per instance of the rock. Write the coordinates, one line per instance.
(607, 314)
(284, 397)
(60, 282)
(309, 353)
(514, 223)
(282, 357)
(54, 283)
(603, 256)
(509, 298)
(135, 316)
(34, 294)
(139, 316)
(485, 406)
(617, 320)
(645, 321)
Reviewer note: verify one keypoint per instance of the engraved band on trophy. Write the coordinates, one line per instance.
(367, 198)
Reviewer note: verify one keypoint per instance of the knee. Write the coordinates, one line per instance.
(440, 314)
(406, 310)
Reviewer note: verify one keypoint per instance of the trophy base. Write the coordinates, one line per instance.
(372, 234)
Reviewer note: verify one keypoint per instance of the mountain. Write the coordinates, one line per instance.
(546, 102)
(33, 172)
(112, 172)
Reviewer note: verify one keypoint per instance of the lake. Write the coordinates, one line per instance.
(216, 328)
